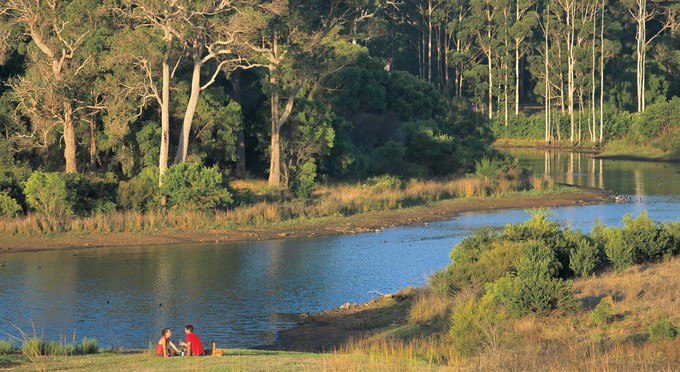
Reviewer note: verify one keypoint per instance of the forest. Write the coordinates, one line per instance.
(124, 100)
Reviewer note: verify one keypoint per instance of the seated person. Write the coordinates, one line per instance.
(162, 348)
(193, 344)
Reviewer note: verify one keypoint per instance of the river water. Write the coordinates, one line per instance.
(240, 295)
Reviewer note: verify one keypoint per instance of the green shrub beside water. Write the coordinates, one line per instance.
(7, 347)
(88, 346)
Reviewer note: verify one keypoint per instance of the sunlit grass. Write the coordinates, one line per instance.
(267, 206)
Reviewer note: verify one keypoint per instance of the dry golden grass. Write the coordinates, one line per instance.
(263, 205)
(643, 295)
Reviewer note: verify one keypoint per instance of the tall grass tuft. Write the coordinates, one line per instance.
(7, 347)
(88, 346)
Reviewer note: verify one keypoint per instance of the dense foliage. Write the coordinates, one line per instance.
(314, 91)
(511, 277)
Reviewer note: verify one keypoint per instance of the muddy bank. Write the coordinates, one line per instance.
(366, 222)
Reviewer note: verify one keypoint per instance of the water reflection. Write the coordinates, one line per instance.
(635, 178)
(239, 295)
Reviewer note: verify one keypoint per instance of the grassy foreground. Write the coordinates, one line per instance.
(642, 295)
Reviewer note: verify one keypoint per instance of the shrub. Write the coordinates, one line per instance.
(303, 180)
(535, 287)
(486, 167)
(603, 313)
(7, 347)
(88, 346)
(671, 232)
(8, 206)
(662, 330)
(476, 325)
(639, 240)
(92, 195)
(584, 257)
(141, 193)
(46, 192)
(195, 187)
(385, 183)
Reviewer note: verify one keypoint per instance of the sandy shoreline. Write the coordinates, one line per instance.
(366, 222)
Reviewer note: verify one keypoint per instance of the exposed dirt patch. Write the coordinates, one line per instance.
(329, 329)
(341, 225)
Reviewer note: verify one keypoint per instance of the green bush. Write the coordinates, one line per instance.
(662, 330)
(671, 233)
(303, 180)
(7, 347)
(603, 313)
(385, 183)
(141, 193)
(476, 325)
(619, 252)
(585, 257)
(92, 195)
(195, 187)
(47, 193)
(535, 287)
(8, 206)
(640, 240)
(88, 346)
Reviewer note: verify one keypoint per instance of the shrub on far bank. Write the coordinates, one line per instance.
(9, 207)
(195, 187)
(141, 193)
(58, 194)
(46, 192)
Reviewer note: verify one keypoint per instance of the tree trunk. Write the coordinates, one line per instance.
(69, 139)
(165, 113)
(93, 142)
(548, 129)
(571, 61)
(240, 168)
(602, 73)
(489, 55)
(183, 145)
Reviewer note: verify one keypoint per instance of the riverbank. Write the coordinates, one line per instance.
(379, 335)
(359, 223)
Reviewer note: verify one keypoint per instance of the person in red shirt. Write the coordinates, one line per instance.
(164, 345)
(193, 344)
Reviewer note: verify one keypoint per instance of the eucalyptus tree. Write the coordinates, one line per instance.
(217, 32)
(486, 13)
(526, 20)
(644, 11)
(147, 46)
(53, 94)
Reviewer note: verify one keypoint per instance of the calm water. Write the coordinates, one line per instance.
(240, 295)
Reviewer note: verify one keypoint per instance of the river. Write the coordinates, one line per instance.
(240, 295)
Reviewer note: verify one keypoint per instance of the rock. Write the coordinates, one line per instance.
(346, 306)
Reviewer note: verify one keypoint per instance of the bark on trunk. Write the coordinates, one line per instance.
(183, 145)
(69, 139)
(165, 114)
(240, 168)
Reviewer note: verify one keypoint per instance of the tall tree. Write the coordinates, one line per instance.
(644, 11)
(51, 93)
